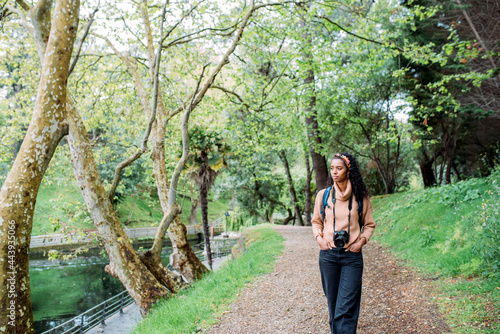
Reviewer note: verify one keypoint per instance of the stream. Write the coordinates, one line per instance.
(60, 290)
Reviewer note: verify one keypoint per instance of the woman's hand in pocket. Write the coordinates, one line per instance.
(323, 244)
(356, 246)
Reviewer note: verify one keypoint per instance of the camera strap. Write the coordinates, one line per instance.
(348, 215)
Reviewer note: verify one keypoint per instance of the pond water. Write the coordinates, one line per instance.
(62, 290)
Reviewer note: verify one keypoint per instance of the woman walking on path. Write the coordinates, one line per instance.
(341, 235)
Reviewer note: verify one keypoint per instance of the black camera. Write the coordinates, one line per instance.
(340, 238)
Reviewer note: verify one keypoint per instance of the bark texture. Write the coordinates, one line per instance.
(195, 205)
(173, 282)
(125, 263)
(318, 160)
(19, 191)
(313, 137)
(183, 258)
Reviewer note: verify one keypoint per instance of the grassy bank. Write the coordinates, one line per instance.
(59, 208)
(453, 234)
(199, 306)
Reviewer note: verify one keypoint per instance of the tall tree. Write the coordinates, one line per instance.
(313, 135)
(208, 157)
(54, 38)
(155, 109)
(293, 196)
(453, 84)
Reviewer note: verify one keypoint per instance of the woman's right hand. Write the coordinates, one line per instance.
(323, 244)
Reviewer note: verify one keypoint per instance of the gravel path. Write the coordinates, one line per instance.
(291, 300)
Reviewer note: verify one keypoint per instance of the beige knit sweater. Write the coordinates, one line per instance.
(341, 213)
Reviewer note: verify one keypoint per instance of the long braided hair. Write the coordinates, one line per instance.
(359, 188)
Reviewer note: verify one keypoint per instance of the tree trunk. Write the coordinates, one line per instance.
(173, 282)
(448, 170)
(124, 262)
(293, 196)
(183, 258)
(457, 173)
(441, 169)
(427, 171)
(309, 200)
(19, 191)
(313, 138)
(195, 205)
(289, 218)
(318, 160)
(204, 214)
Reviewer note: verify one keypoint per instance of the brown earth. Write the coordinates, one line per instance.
(290, 300)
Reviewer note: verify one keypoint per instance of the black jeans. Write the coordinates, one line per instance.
(341, 276)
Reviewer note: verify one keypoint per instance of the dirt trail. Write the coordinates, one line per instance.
(291, 300)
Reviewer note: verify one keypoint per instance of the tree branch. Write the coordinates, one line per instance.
(180, 40)
(133, 71)
(23, 5)
(79, 48)
(22, 16)
(478, 37)
(173, 208)
(355, 35)
(41, 20)
(227, 91)
(130, 31)
(144, 146)
(177, 24)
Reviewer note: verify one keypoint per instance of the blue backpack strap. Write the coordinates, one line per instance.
(360, 212)
(325, 202)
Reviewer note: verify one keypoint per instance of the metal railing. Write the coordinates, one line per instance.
(87, 236)
(95, 316)
(219, 248)
(98, 314)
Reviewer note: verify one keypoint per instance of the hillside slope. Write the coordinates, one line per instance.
(451, 233)
(62, 208)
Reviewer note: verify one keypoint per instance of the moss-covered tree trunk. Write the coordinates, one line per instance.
(18, 195)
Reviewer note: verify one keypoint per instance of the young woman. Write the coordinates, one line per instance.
(338, 231)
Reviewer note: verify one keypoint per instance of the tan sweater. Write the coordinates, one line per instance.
(341, 212)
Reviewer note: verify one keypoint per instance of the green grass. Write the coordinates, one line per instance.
(470, 305)
(451, 233)
(59, 207)
(198, 307)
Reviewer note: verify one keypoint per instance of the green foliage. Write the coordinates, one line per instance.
(17, 90)
(196, 308)
(451, 232)
(444, 71)
(60, 209)
(259, 188)
(206, 146)
(459, 222)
